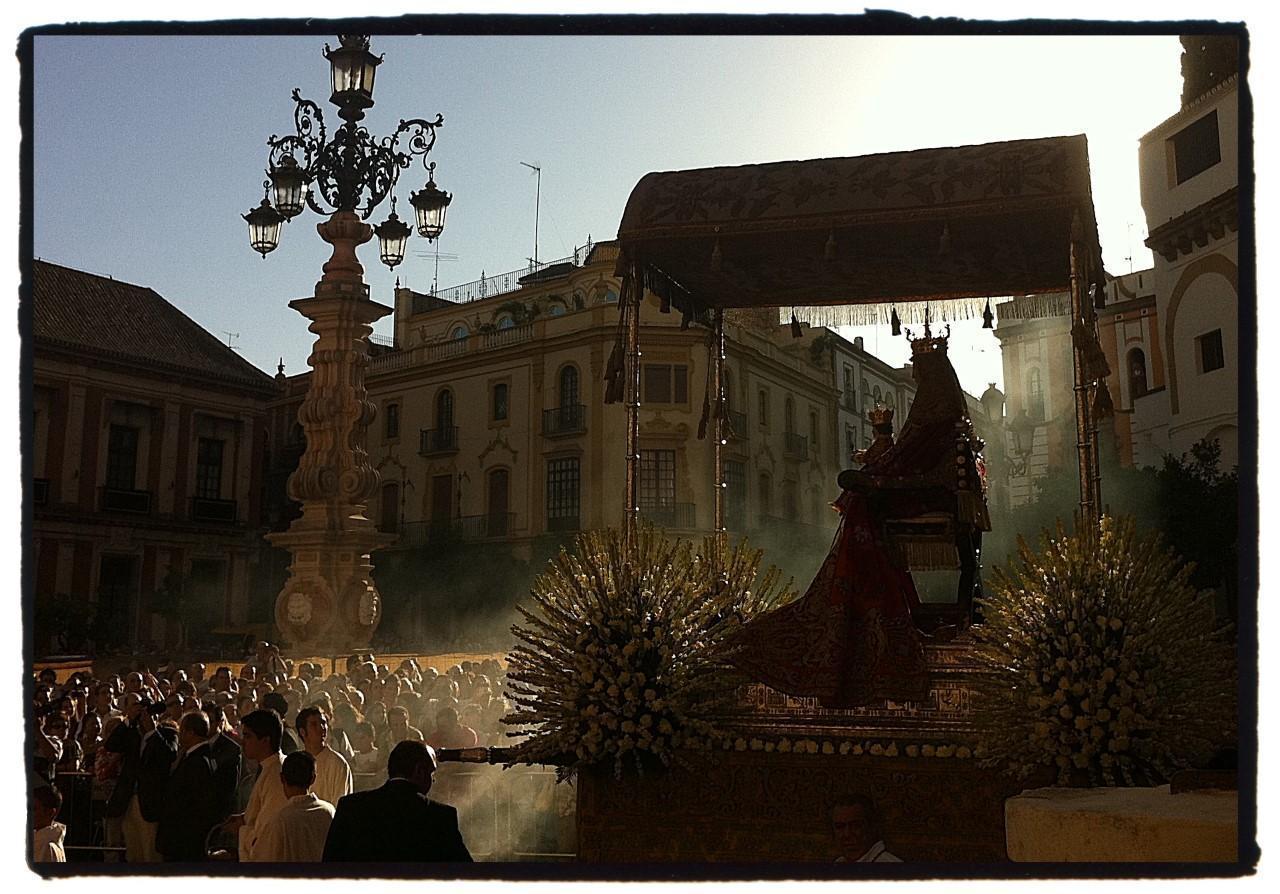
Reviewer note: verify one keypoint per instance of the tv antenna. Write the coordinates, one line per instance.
(447, 256)
(1129, 256)
(537, 207)
(231, 335)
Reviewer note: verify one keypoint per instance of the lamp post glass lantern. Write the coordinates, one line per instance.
(392, 235)
(430, 205)
(350, 170)
(264, 227)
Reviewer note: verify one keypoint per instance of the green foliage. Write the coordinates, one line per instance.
(1103, 662)
(624, 655)
(62, 621)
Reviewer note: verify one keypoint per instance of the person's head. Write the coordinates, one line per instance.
(222, 679)
(298, 773)
(397, 721)
(260, 733)
(362, 736)
(131, 706)
(855, 825)
(196, 672)
(103, 700)
(313, 726)
(90, 729)
(217, 717)
(274, 701)
(232, 715)
(56, 726)
(48, 676)
(185, 688)
(173, 707)
(46, 802)
(193, 729)
(377, 714)
(446, 718)
(414, 761)
(470, 716)
(133, 682)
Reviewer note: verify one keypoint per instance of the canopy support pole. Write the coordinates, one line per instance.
(1086, 427)
(633, 291)
(717, 381)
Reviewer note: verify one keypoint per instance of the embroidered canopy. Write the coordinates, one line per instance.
(842, 239)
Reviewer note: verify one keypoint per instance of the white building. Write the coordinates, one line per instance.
(1190, 191)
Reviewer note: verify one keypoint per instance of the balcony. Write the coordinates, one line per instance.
(566, 420)
(470, 527)
(671, 515)
(564, 523)
(795, 446)
(434, 441)
(207, 509)
(736, 429)
(116, 499)
(40, 491)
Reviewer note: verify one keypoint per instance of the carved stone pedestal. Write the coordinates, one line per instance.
(329, 604)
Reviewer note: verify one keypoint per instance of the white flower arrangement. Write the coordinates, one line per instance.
(624, 653)
(1103, 664)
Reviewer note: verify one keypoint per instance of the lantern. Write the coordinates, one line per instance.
(392, 235)
(352, 68)
(287, 183)
(429, 205)
(264, 227)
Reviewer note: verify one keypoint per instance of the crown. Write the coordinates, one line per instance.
(880, 415)
(928, 344)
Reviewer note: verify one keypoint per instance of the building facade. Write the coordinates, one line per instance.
(147, 459)
(1189, 169)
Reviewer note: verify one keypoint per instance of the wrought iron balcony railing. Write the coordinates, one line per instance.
(438, 440)
(115, 499)
(564, 523)
(671, 515)
(210, 510)
(795, 446)
(567, 420)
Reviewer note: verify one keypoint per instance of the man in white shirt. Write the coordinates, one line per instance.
(47, 834)
(855, 825)
(333, 775)
(296, 834)
(260, 734)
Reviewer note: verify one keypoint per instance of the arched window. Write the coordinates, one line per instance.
(1035, 395)
(569, 386)
(459, 332)
(789, 416)
(506, 321)
(876, 394)
(610, 297)
(1137, 373)
(444, 409)
(555, 309)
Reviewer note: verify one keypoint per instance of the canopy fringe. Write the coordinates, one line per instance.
(1026, 307)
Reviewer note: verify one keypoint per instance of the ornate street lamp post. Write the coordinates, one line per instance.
(329, 602)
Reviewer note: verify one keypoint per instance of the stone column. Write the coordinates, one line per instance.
(329, 604)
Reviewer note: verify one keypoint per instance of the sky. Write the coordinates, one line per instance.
(149, 149)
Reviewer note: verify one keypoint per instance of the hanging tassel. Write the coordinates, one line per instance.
(944, 241)
(895, 325)
(706, 415)
(829, 250)
(988, 316)
(796, 331)
(716, 257)
(1103, 407)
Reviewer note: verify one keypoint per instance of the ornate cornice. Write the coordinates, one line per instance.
(1193, 229)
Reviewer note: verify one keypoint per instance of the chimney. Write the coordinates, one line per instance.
(857, 343)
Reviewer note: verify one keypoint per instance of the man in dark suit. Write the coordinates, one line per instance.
(397, 823)
(289, 741)
(226, 754)
(146, 753)
(190, 807)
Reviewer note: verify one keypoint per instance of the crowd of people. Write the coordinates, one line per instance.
(279, 762)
